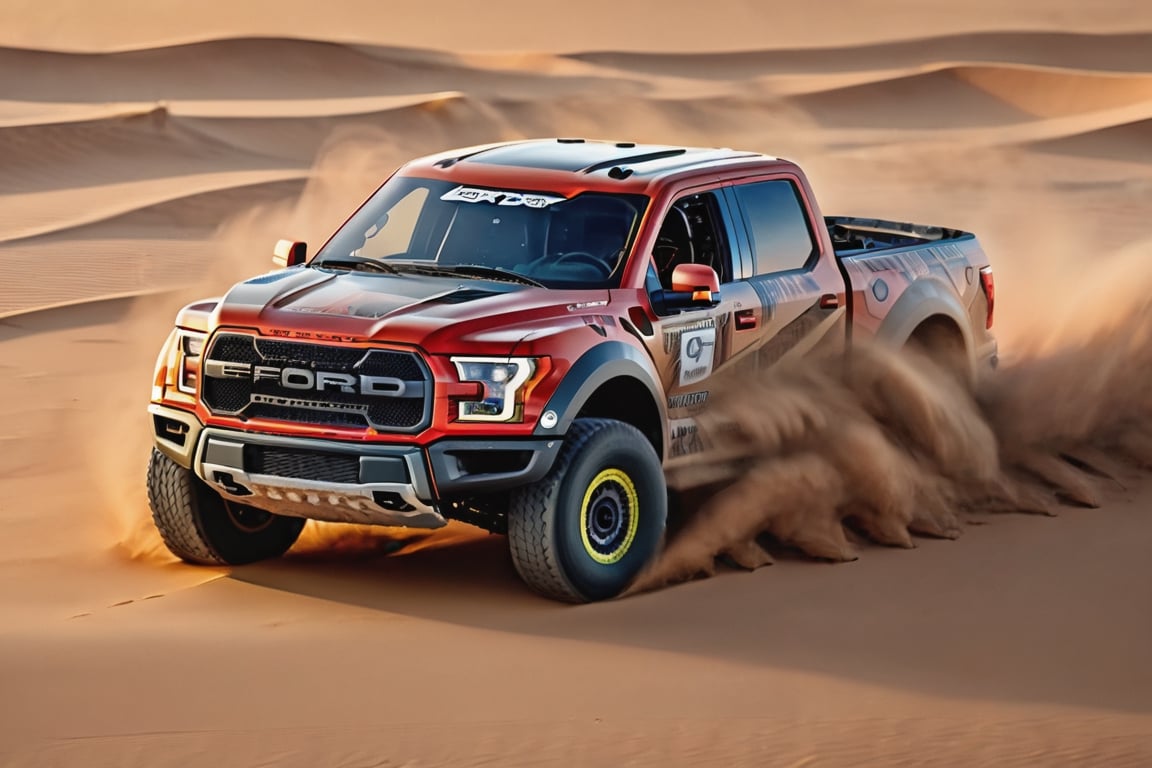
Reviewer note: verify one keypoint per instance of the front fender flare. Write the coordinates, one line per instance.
(597, 366)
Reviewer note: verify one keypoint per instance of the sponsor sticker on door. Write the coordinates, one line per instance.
(697, 348)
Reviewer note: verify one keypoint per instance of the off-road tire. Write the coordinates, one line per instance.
(942, 345)
(605, 467)
(199, 526)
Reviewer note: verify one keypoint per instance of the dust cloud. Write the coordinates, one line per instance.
(885, 445)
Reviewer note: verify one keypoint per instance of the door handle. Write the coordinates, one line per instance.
(746, 320)
(829, 301)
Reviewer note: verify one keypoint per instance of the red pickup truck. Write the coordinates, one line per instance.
(518, 336)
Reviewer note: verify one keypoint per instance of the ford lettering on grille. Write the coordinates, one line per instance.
(303, 378)
(251, 377)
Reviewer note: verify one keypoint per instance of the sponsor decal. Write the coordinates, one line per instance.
(685, 438)
(672, 335)
(316, 336)
(497, 197)
(311, 405)
(687, 400)
(697, 349)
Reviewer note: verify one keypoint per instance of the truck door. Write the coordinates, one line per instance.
(690, 345)
(798, 299)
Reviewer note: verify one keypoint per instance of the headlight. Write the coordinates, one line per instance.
(190, 346)
(160, 378)
(501, 380)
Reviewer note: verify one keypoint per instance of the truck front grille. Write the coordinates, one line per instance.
(250, 377)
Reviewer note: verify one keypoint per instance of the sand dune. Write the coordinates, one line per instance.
(1126, 143)
(256, 69)
(959, 96)
(148, 246)
(935, 100)
(1054, 93)
(164, 147)
(38, 213)
(129, 148)
(18, 114)
(725, 25)
(1116, 52)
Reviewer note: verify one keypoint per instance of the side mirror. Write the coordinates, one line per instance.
(700, 279)
(289, 253)
(694, 286)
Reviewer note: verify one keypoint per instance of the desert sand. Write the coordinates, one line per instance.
(151, 155)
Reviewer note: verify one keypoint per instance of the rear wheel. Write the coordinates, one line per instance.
(199, 526)
(586, 529)
(941, 343)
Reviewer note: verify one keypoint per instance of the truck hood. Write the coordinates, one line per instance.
(441, 314)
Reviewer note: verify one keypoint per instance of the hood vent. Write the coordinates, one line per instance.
(463, 296)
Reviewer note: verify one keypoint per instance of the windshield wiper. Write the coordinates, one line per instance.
(356, 263)
(469, 270)
(482, 270)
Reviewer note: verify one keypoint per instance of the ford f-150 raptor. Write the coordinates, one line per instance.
(518, 336)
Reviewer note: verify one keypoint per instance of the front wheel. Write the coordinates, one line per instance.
(199, 526)
(586, 530)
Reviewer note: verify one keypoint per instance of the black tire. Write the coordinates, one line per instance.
(588, 528)
(199, 526)
(942, 344)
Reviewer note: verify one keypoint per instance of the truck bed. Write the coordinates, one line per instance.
(853, 236)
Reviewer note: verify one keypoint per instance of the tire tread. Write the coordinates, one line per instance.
(172, 499)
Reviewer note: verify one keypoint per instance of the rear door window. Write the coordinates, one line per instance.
(777, 225)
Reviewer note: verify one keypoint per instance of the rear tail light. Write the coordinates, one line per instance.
(989, 285)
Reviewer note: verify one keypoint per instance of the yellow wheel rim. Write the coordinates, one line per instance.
(609, 516)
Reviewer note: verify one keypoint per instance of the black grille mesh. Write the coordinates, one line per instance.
(402, 412)
(234, 349)
(302, 465)
(306, 355)
(232, 394)
(398, 365)
(228, 395)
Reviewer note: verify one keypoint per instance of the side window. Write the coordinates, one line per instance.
(391, 235)
(692, 233)
(777, 225)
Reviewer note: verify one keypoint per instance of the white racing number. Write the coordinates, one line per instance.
(496, 197)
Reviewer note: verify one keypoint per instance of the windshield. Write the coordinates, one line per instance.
(534, 237)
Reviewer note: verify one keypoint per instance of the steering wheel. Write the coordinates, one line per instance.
(585, 258)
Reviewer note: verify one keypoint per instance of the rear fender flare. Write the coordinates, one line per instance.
(925, 298)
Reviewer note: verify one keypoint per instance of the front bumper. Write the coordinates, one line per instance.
(369, 483)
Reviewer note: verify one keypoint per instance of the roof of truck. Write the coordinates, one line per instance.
(577, 164)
